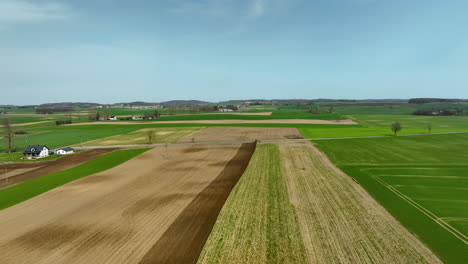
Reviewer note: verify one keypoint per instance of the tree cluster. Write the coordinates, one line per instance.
(437, 112)
(50, 110)
(431, 100)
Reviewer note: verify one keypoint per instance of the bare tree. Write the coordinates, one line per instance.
(9, 133)
(429, 128)
(172, 110)
(157, 114)
(395, 127)
(150, 136)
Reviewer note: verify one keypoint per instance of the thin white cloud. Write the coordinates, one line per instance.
(22, 11)
(258, 8)
(221, 8)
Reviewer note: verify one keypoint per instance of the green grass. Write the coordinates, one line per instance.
(418, 179)
(379, 125)
(388, 110)
(29, 189)
(439, 123)
(258, 223)
(4, 157)
(55, 137)
(290, 114)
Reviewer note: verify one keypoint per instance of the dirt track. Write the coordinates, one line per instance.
(20, 172)
(157, 208)
(268, 121)
(210, 134)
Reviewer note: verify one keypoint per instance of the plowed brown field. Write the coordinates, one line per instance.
(156, 208)
(211, 134)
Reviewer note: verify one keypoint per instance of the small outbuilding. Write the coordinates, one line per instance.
(36, 152)
(64, 151)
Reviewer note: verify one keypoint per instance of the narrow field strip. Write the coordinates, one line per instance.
(428, 186)
(29, 189)
(257, 224)
(340, 222)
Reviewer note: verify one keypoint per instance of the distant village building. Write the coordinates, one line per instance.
(137, 118)
(64, 151)
(112, 118)
(36, 152)
(226, 110)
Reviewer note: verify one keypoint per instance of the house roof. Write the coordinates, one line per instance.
(66, 149)
(34, 149)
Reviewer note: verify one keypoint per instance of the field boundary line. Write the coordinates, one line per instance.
(423, 176)
(391, 136)
(422, 209)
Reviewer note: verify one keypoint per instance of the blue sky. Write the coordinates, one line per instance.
(114, 51)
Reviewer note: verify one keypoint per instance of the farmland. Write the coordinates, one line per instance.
(422, 181)
(389, 200)
(274, 216)
(121, 217)
(158, 135)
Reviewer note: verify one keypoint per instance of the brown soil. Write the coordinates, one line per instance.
(156, 208)
(211, 134)
(21, 172)
(270, 121)
(184, 239)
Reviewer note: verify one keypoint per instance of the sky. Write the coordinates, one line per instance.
(156, 50)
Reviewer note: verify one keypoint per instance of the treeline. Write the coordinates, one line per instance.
(440, 112)
(63, 122)
(52, 110)
(433, 100)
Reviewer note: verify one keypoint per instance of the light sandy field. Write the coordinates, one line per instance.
(269, 121)
(292, 205)
(340, 222)
(160, 135)
(31, 123)
(210, 134)
(156, 208)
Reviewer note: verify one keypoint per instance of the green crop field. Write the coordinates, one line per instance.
(403, 109)
(379, 125)
(29, 189)
(258, 223)
(421, 180)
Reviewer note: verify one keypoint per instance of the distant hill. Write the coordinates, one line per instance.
(434, 100)
(69, 105)
(184, 103)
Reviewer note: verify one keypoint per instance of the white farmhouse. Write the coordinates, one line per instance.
(64, 151)
(36, 152)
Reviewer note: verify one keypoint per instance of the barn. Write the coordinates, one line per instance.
(64, 151)
(36, 152)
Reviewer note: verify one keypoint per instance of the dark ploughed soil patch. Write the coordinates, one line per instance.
(47, 167)
(183, 241)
